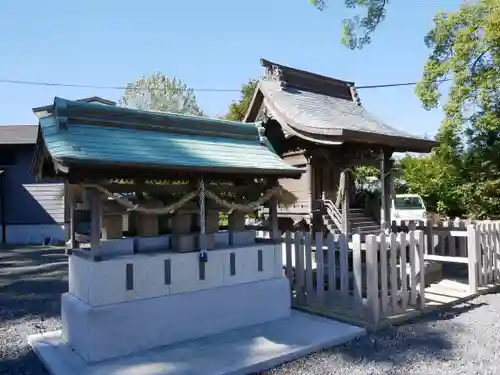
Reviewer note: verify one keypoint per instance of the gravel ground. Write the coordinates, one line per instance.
(464, 340)
(31, 282)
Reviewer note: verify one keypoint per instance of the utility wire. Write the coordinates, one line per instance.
(58, 84)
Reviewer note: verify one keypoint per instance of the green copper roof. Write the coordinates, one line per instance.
(79, 133)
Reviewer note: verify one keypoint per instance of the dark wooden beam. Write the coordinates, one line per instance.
(81, 172)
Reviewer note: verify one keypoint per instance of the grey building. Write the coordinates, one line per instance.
(30, 210)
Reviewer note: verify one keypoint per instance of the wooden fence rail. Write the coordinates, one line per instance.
(386, 275)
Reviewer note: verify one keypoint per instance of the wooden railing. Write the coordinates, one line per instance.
(387, 275)
(334, 213)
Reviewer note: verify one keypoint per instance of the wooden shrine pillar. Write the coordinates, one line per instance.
(346, 203)
(383, 196)
(310, 187)
(95, 223)
(385, 189)
(73, 219)
(390, 191)
(273, 219)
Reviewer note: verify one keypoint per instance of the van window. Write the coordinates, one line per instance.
(408, 203)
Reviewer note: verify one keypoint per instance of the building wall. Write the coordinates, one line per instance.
(33, 210)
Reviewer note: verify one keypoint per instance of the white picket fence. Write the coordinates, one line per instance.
(382, 277)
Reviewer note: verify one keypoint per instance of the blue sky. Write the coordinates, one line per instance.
(208, 44)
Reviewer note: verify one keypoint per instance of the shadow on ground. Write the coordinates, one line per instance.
(31, 282)
(26, 364)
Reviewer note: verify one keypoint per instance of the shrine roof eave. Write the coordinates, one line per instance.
(302, 117)
(102, 169)
(89, 136)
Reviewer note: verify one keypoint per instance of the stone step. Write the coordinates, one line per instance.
(365, 220)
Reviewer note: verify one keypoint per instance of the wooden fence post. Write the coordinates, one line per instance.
(320, 268)
(372, 277)
(289, 266)
(421, 265)
(497, 247)
(473, 249)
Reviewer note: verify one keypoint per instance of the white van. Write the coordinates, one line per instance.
(408, 207)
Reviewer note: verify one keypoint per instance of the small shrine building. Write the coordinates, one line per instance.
(318, 123)
(176, 279)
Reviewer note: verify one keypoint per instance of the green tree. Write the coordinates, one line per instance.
(357, 30)
(160, 93)
(435, 182)
(465, 49)
(462, 174)
(238, 109)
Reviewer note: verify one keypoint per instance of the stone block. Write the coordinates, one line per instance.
(206, 241)
(241, 238)
(221, 239)
(147, 225)
(184, 242)
(236, 221)
(145, 244)
(112, 226)
(117, 246)
(212, 221)
(181, 223)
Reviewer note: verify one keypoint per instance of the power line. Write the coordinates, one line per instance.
(396, 84)
(74, 85)
(55, 84)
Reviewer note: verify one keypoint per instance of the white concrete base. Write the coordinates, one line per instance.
(102, 332)
(242, 351)
(35, 234)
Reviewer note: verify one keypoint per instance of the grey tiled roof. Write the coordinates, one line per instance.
(323, 114)
(18, 134)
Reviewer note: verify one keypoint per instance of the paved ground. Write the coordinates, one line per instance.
(462, 341)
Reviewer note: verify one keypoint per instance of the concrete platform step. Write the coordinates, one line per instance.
(242, 351)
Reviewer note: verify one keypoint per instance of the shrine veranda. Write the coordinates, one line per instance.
(176, 276)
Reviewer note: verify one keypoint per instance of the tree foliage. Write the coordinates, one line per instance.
(238, 109)
(160, 93)
(462, 175)
(357, 30)
(465, 49)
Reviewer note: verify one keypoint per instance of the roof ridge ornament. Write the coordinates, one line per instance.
(276, 73)
(355, 95)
